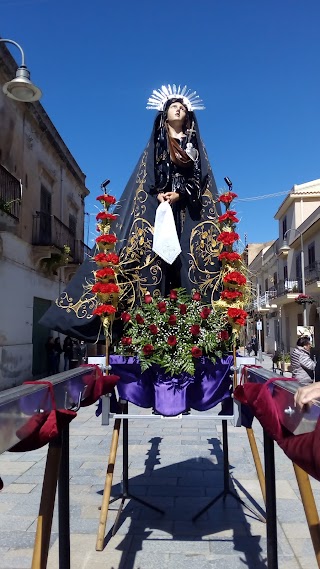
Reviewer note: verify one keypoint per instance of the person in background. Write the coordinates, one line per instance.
(57, 351)
(67, 349)
(302, 364)
(50, 355)
(76, 354)
(254, 344)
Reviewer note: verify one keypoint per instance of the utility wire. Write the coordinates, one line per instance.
(261, 197)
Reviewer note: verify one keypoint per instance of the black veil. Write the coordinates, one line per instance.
(141, 270)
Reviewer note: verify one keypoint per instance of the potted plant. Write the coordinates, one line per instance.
(285, 361)
(304, 299)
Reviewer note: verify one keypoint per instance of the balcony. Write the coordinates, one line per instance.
(265, 300)
(10, 199)
(49, 231)
(312, 272)
(50, 236)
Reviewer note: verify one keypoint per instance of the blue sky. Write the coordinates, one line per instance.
(255, 64)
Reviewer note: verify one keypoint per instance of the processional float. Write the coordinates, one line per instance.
(165, 338)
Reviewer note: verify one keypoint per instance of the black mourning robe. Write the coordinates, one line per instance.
(141, 270)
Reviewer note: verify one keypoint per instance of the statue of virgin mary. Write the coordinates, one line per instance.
(173, 174)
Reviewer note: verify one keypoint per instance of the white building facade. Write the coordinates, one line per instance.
(42, 191)
(277, 279)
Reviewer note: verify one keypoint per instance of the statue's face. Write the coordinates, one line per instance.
(177, 112)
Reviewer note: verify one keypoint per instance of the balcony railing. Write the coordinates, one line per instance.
(312, 272)
(265, 299)
(48, 230)
(10, 193)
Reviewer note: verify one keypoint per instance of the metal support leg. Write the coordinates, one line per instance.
(126, 495)
(271, 504)
(226, 480)
(64, 503)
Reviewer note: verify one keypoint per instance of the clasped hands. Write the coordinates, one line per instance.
(170, 197)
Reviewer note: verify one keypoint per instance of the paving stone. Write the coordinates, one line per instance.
(181, 475)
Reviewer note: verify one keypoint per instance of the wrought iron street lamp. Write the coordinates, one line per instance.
(285, 250)
(21, 88)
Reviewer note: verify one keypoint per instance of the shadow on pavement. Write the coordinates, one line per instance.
(199, 480)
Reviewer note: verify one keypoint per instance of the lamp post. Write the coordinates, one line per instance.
(21, 88)
(285, 250)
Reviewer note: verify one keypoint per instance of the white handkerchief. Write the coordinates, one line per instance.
(165, 239)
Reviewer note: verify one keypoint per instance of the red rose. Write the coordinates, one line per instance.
(228, 216)
(196, 352)
(227, 197)
(153, 329)
(106, 216)
(230, 294)
(196, 296)
(126, 341)
(106, 272)
(139, 319)
(237, 315)
(228, 237)
(107, 199)
(110, 238)
(148, 349)
(205, 312)
(104, 309)
(195, 330)
(125, 317)
(172, 340)
(107, 258)
(235, 277)
(229, 256)
(162, 307)
(183, 309)
(173, 295)
(147, 298)
(172, 319)
(224, 335)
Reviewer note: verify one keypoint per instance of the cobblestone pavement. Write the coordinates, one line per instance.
(175, 464)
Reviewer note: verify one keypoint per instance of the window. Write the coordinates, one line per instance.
(72, 224)
(275, 279)
(266, 285)
(284, 227)
(311, 256)
(45, 217)
(300, 320)
(285, 272)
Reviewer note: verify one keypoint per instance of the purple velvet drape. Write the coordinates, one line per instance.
(168, 395)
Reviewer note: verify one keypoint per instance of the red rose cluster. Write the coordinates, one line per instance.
(233, 279)
(106, 287)
(151, 326)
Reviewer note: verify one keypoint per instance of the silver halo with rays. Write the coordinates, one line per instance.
(161, 96)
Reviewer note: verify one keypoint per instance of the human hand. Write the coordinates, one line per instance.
(306, 394)
(161, 198)
(171, 197)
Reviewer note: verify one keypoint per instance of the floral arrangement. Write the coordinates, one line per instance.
(105, 287)
(304, 299)
(174, 332)
(233, 280)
